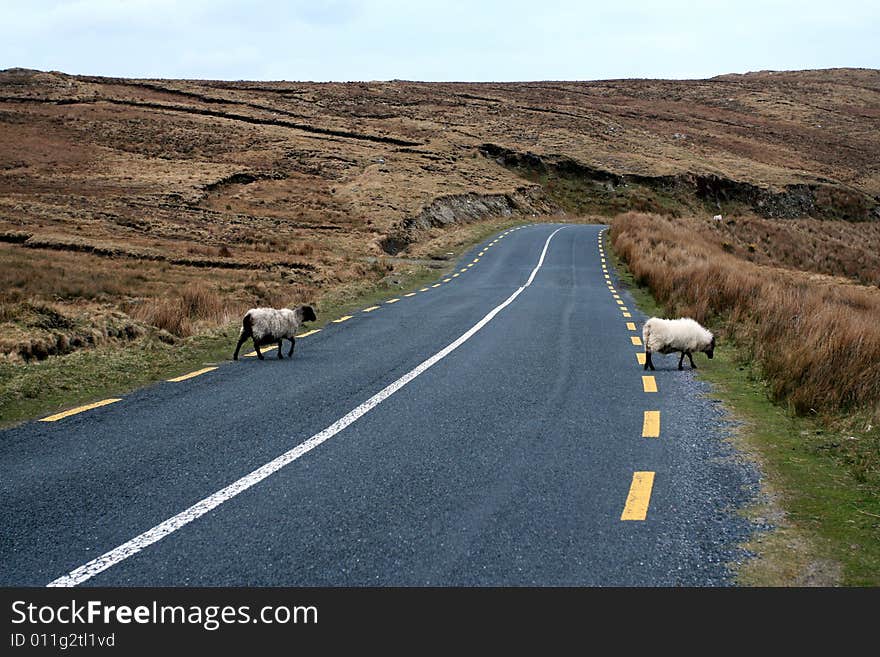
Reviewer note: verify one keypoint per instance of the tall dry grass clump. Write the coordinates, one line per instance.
(179, 315)
(817, 341)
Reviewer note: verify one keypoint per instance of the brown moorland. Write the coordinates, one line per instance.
(133, 208)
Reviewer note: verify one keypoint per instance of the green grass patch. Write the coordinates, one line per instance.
(820, 483)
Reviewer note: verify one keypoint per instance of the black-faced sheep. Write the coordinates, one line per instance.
(668, 335)
(270, 325)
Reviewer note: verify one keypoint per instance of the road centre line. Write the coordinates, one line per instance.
(631, 326)
(649, 383)
(344, 318)
(78, 409)
(184, 377)
(370, 309)
(636, 340)
(392, 300)
(197, 510)
(411, 294)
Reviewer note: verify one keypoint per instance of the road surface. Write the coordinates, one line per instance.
(492, 428)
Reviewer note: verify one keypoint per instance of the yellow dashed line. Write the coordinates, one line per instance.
(344, 318)
(463, 269)
(457, 275)
(424, 289)
(411, 294)
(631, 326)
(616, 296)
(619, 302)
(649, 383)
(78, 409)
(370, 309)
(627, 314)
(636, 340)
(640, 357)
(475, 260)
(446, 280)
(436, 285)
(639, 497)
(307, 333)
(184, 377)
(392, 300)
(651, 424)
(470, 265)
(481, 253)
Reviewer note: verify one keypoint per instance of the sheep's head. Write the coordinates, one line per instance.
(710, 351)
(308, 314)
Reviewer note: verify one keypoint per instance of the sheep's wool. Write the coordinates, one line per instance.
(667, 335)
(273, 322)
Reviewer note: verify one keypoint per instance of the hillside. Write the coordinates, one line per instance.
(118, 195)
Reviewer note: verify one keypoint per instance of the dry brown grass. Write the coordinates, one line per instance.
(817, 340)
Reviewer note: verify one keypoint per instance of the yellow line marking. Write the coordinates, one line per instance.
(603, 259)
(619, 302)
(631, 326)
(624, 308)
(641, 357)
(475, 260)
(78, 409)
(470, 265)
(463, 269)
(411, 294)
(627, 314)
(481, 253)
(457, 275)
(651, 424)
(344, 318)
(392, 300)
(639, 497)
(446, 280)
(424, 289)
(307, 333)
(649, 383)
(616, 296)
(436, 285)
(636, 340)
(184, 377)
(370, 309)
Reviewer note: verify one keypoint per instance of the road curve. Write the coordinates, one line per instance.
(493, 428)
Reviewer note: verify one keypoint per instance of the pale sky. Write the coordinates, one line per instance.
(505, 40)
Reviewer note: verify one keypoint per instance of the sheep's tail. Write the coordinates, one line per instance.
(247, 325)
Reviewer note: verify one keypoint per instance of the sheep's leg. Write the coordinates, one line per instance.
(649, 362)
(292, 345)
(238, 346)
(691, 358)
(681, 360)
(280, 355)
(257, 349)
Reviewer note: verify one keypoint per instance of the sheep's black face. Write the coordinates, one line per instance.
(309, 314)
(710, 352)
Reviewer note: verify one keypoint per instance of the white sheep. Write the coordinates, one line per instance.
(668, 335)
(268, 325)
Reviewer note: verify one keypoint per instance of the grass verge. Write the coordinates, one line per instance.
(825, 516)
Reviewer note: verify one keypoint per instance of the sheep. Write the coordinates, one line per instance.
(268, 325)
(668, 335)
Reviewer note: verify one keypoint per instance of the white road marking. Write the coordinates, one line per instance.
(197, 510)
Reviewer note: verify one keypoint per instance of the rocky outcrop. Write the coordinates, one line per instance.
(823, 199)
(464, 208)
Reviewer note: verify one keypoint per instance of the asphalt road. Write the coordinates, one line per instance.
(486, 431)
